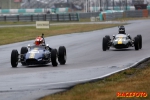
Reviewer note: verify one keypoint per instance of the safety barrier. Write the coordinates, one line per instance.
(32, 11)
(136, 13)
(42, 17)
(113, 14)
(62, 10)
(89, 15)
(20, 11)
(145, 13)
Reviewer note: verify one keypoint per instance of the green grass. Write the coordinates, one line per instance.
(130, 80)
(15, 23)
(14, 34)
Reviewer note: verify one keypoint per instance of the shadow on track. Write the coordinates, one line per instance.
(122, 50)
(37, 66)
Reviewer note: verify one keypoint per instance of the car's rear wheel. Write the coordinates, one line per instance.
(62, 55)
(104, 45)
(23, 51)
(136, 43)
(14, 58)
(54, 57)
(140, 41)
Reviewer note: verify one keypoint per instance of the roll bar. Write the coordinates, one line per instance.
(43, 38)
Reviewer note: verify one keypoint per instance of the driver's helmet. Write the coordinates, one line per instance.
(38, 40)
(121, 30)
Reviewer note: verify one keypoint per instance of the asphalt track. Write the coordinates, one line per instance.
(85, 60)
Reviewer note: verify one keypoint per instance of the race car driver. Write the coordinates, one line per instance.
(39, 41)
(122, 31)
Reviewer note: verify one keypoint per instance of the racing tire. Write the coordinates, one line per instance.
(140, 41)
(136, 43)
(104, 45)
(108, 37)
(14, 58)
(54, 57)
(108, 40)
(62, 55)
(24, 50)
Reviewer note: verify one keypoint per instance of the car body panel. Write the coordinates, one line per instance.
(121, 41)
(37, 55)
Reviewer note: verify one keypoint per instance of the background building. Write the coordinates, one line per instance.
(10, 4)
(87, 5)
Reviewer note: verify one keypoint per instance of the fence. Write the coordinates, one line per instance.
(89, 15)
(136, 13)
(107, 15)
(111, 16)
(42, 17)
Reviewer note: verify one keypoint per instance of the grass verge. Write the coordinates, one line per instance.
(15, 23)
(131, 80)
(12, 35)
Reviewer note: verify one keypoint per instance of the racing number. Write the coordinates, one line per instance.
(32, 55)
(120, 40)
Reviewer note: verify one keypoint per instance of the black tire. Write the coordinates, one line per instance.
(108, 40)
(24, 50)
(140, 41)
(104, 45)
(62, 55)
(136, 43)
(14, 58)
(108, 37)
(54, 57)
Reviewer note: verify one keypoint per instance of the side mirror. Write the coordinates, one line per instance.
(47, 45)
(113, 36)
(29, 45)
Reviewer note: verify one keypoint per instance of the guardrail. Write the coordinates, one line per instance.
(42, 17)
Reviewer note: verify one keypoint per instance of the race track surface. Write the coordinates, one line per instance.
(85, 60)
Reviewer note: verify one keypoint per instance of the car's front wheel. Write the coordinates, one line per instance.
(23, 51)
(136, 43)
(62, 56)
(104, 44)
(108, 40)
(140, 41)
(14, 58)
